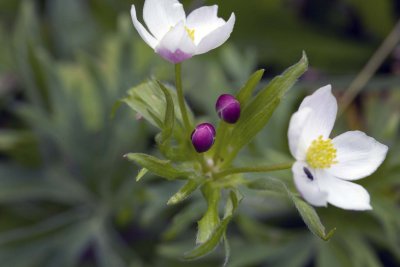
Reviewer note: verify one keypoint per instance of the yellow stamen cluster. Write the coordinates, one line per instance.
(321, 153)
(190, 33)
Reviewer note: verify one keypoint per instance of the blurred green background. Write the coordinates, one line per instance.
(68, 198)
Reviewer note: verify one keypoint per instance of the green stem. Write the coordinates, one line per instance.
(220, 140)
(270, 168)
(181, 100)
(182, 107)
(370, 68)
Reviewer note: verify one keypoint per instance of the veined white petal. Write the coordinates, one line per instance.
(307, 185)
(296, 134)
(203, 21)
(322, 118)
(343, 194)
(217, 37)
(146, 36)
(176, 46)
(358, 155)
(161, 15)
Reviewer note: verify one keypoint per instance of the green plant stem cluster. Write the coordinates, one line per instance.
(213, 172)
(213, 162)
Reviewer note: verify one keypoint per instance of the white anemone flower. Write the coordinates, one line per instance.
(324, 167)
(177, 38)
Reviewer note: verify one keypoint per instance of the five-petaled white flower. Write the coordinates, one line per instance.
(324, 166)
(177, 38)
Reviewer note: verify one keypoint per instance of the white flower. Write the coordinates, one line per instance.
(177, 38)
(324, 166)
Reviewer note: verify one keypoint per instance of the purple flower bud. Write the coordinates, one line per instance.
(203, 137)
(228, 108)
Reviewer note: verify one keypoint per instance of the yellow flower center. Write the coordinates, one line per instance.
(321, 153)
(190, 32)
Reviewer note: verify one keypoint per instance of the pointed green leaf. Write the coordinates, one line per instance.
(210, 220)
(258, 112)
(184, 192)
(247, 90)
(209, 245)
(268, 184)
(232, 203)
(169, 118)
(311, 219)
(157, 166)
(307, 213)
(149, 100)
(155, 118)
(141, 173)
(215, 232)
(227, 250)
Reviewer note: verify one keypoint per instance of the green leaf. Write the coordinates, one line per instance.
(311, 219)
(209, 222)
(150, 101)
(169, 118)
(307, 213)
(155, 118)
(141, 173)
(247, 90)
(163, 139)
(184, 192)
(268, 184)
(227, 250)
(232, 203)
(215, 232)
(210, 244)
(258, 112)
(157, 166)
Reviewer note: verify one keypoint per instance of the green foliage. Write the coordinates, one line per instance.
(210, 221)
(78, 172)
(258, 111)
(160, 167)
(189, 187)
(150, 100)
(247, 90)
(210, 228)
(308, 213)
(159, 106)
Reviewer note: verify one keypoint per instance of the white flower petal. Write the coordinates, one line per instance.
(146, 36)
(297, 132)
(203, 21)
(176, 46)
(217, 37)
(343, 194)
(308, 186)
(161, 15)
(324, 108)
(358, 155)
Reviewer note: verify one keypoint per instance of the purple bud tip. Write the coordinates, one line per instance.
(228, 108)
(203, 137)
